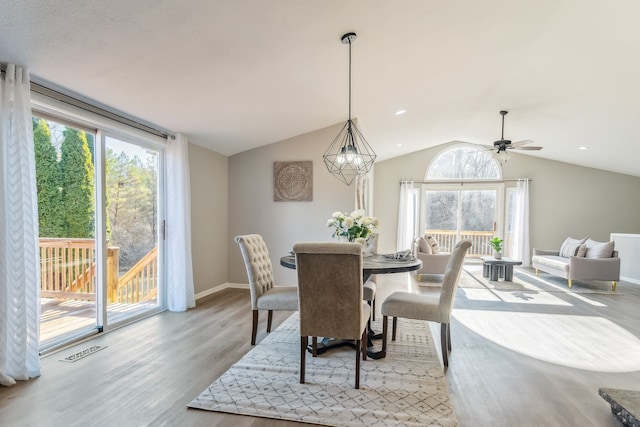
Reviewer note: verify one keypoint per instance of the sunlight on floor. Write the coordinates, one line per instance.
(513, 296)
(581, 342)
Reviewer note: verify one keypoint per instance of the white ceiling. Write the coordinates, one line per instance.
(234, 75)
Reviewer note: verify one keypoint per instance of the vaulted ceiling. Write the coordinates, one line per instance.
(234, 75)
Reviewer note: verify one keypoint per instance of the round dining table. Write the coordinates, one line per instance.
(374, 264)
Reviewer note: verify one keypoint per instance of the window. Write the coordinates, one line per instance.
(463, 162)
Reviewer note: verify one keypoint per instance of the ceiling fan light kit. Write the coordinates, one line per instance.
(349, 155)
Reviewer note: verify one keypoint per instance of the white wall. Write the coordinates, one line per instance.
(565, 199)
(209, 217)
(252, 209)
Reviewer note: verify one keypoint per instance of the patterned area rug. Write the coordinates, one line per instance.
(407, 388)
(525, 280)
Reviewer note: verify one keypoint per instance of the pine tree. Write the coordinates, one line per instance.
(48, 182)
(77, 184)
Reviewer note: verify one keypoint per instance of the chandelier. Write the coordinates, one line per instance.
(349, 155)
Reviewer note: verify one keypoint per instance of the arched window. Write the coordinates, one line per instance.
(463, 162)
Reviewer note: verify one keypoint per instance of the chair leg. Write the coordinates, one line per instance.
(314, 346)
(373, 309)
(303, 350)
(364, 344)
(358, 344)
(385, 323)
(443, 342)
(394, 325)
(613, 286)
(449, 336)
(254, 331)
(269, 319)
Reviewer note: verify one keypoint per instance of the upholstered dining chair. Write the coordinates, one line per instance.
(330, 297)
(434, 308)
(264, 295)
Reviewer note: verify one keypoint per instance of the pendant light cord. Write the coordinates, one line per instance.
(349, 82)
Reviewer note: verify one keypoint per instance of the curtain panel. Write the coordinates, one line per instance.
(180, 287)
(19, 255)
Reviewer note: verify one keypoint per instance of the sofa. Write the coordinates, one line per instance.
(580, 259)
(427, 250)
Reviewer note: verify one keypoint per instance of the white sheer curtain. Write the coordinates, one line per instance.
(520, 247)
(19, 256)
(180, 288)
(405, 227)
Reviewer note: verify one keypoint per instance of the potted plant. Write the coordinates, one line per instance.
(496, 245)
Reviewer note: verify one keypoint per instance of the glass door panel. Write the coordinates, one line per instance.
(132, 183)
(441, 217)
(66, 220)
(478, 217)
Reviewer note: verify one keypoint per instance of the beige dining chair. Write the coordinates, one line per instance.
(264, 295)
(434, 308)
(330, 296)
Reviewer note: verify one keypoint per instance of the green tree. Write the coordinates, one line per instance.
(77, 184)
(48, 182)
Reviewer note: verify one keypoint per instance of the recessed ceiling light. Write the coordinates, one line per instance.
(399, 145)
(583, 147)
(400, 112)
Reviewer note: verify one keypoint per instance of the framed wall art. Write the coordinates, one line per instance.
(293, 181)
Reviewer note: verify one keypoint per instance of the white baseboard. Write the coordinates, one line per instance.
(219, 288)
(630, 279)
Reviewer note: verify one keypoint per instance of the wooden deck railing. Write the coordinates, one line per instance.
(479, 241)
(68, 270)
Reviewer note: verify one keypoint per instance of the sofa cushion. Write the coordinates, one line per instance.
(435, 248)
(552, 261)
(599, 249)
(423, 246)
(570, 246)
(582, 250)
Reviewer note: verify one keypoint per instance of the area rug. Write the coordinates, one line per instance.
(525, 279)
(407, 388)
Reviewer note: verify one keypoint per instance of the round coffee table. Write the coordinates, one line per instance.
(495, 268)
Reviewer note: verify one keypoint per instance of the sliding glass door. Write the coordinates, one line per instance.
(100, 221)
(452, 212)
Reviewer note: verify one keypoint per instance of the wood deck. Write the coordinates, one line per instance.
(61, 318)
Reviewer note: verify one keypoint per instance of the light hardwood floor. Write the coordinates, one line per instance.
(518, 360)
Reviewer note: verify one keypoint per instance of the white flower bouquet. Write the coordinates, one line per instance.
(355, 227)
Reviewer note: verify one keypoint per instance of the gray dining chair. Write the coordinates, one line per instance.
(434, 308)
(330, 296)
(264, 295)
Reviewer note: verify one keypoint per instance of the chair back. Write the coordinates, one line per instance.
(451, 277)
(330, 289)
(258, 264)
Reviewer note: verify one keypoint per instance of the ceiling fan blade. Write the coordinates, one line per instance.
(520, 143)
(532, 148)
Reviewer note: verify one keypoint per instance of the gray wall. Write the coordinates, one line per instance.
(209, 217)
(565, 199)
(252, 209)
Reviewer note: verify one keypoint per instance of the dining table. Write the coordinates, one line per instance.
(373, 264)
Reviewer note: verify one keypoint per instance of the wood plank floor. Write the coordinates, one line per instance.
(504, 370)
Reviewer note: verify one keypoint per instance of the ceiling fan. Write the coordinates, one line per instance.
(503, 145)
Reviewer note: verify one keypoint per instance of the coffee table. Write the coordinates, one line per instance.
(494, 268)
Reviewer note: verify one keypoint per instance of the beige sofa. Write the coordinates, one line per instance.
(427, 250)
(580, 259)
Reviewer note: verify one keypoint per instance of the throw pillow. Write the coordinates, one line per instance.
(433, 243)
(599, 249)
(423, 246)
(570, 245)
(582, 250)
